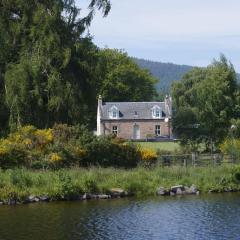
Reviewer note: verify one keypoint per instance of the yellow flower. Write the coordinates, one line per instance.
(148, 155)
(3, 150)
(27, 141)
(54, 157)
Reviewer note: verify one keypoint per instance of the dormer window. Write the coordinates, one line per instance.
(114, 112)
(156, 112)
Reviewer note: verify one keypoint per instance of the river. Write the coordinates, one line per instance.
(212, 216)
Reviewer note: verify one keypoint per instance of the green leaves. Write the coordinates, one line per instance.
(122, 79)
(210, 95)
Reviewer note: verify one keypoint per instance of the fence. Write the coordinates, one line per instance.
(195, 160)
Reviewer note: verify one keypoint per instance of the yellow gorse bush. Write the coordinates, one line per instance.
(55, 158)
(148, 154)
(43, 136)
(3, 150)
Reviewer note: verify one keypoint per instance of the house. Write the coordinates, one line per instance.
(135, 120)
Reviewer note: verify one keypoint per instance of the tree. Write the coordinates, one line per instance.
(209, 95)
(122, 80)
(46, 63)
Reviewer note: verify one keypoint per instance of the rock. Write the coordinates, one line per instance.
(117, 192)
(86, 196)
(103, 196)
(180, 191)
(32, 199)
(227, 189)
(175, 188)
(172, 193)
(161, 191)
(12, 202)
(44, 198)
(93, 196)
(191, 190)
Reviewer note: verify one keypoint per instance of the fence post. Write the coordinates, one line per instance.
(185, 162)
(193, 159)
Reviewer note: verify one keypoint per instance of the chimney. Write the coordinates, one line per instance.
(100, 100)
(99, 115)
(168, 104)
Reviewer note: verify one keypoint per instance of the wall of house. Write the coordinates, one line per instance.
(125, 128)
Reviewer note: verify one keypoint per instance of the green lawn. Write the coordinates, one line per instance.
(166, 146)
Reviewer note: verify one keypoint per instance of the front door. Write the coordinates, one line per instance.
(136, 132)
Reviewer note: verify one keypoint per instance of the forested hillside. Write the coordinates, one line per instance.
(165, 72)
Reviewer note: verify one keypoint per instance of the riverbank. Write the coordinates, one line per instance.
(22, 186)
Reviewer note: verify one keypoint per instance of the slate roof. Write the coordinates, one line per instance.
(133, 110)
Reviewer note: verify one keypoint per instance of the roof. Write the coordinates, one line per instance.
(133, 110)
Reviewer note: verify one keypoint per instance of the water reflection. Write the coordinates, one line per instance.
(190, 217)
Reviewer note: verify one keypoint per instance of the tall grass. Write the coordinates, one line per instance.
(140, 181)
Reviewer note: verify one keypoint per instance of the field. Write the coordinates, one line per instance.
(166, 146)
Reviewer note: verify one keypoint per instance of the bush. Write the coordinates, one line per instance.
(236, 173)
(232, 148)
(105, 151)
(65, 146)
(148, 157)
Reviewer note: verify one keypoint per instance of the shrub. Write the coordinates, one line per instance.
(148, 157)
(236, 173)
(232, 148)
(104, 151)
(12, 156)
(65, 146)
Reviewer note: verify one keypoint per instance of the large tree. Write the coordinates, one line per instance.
(46, 61)
(208, 95)
(121, 79)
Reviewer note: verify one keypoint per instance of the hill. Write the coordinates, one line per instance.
(165, 72)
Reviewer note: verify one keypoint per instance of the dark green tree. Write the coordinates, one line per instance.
(122, 80)
(46, 62)
(209, 96)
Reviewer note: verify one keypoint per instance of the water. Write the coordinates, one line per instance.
(215, 216)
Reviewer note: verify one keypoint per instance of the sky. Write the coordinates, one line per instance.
(191, 32)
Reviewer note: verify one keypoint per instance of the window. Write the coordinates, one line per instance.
(157, 130)
(114, 112)
(115, 130)
(156, 112)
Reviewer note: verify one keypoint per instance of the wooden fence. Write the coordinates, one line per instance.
(195, 160)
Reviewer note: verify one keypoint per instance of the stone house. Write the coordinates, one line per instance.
(135, 120)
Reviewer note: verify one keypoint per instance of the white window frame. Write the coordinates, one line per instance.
(156, 112)
(115, 130)
(114, 112)
(157, 130)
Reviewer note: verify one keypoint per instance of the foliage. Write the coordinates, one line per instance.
(148, 157)
(50, 70)
(231, 146)
(64, 146)
(166, 73)
(205, 101)
(122, 79)
(71, 183)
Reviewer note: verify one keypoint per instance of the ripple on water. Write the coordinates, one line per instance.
(188, 217)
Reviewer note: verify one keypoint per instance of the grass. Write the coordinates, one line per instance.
(165, 146)
(68, 183)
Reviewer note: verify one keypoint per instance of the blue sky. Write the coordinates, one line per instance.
(189, 32)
